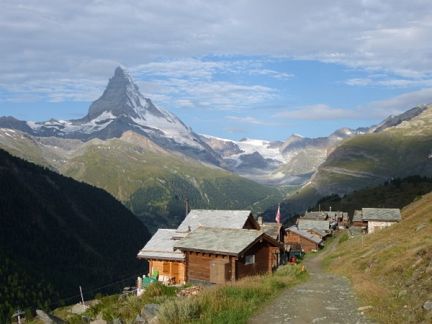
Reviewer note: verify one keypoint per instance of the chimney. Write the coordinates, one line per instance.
(260, 220)
(187, 210)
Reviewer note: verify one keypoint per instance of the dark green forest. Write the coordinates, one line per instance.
(57, 234)
(396, 193)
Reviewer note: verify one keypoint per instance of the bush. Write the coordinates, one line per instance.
(180, 311)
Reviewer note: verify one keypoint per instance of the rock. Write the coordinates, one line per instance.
(140, 320)
(48, 319)
(429, 268)
(117, 321)
(149, 312)
(191, 291)
(363, 308)
(79, 308)
(420, 227)
(99, 321)
(402, 293)
(428, 305)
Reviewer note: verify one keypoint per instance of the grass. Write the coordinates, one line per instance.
(121, 307)
(232, 303)
(391, 270)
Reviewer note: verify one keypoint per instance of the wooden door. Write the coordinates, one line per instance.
(218, 271)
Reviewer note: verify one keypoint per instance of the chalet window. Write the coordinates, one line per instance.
(250, 259)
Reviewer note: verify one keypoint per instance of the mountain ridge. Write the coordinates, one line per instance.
(56, 234)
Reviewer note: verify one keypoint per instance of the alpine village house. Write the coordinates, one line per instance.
(215, 246)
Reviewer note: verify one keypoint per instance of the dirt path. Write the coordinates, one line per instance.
(324, 298)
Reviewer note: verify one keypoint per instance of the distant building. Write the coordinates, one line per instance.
(340, 217)
(373, 219)
(306, 240)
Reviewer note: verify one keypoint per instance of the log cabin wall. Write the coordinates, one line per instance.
(264, 259)
(307, 245)
(198, 265)
(172, 269)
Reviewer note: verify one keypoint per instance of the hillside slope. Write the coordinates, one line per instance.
(392, 269)
(152, 181)
(397, 150)
(392, 194)
(57, 233)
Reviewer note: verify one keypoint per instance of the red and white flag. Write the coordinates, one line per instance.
(278, 215)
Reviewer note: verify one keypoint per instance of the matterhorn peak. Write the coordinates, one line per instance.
(122, 98)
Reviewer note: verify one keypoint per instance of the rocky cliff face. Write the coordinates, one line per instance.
(121, 108)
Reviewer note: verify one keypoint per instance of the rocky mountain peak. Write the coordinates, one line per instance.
(122, 97)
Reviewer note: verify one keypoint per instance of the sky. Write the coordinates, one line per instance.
(232, 69)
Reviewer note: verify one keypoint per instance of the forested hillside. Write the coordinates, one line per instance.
(56, 234)
(396, 193)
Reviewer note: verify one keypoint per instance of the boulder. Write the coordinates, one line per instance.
(140, 320)
(79, 308)
(149, 312)
(48, 319)
(428, 305)
(99, 321)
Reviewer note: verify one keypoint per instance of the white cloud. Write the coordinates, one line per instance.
(375, 110)
(398, 104)
(247, 120)
(58, 36)
(388, 82)
(318, 112)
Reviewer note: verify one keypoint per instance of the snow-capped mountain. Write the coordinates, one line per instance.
(275, 162)
(122, 107)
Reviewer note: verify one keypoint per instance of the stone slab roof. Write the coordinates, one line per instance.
(214, 218)
(227, 241)
(305, 234)
(320, 225)
(161, 246)
(357, 217)
(381, 214)
(271, 229)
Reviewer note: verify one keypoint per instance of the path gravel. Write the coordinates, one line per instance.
(324, 298)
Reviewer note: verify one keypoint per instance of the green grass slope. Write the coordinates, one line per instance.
(391, 270)
(56, 234)
(369, 160)
(154, 183)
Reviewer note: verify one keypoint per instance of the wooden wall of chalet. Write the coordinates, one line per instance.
(360, 223)
(171, 269)
(265, 260)
(198, 265)
(307, 245)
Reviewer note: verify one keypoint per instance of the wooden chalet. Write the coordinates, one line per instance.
(373, 219)
(220, 255)
(277, 232)
(161, 256)
(317, 227)
(357, 220)
(308, 241)
(340, 217)
(171, 264)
